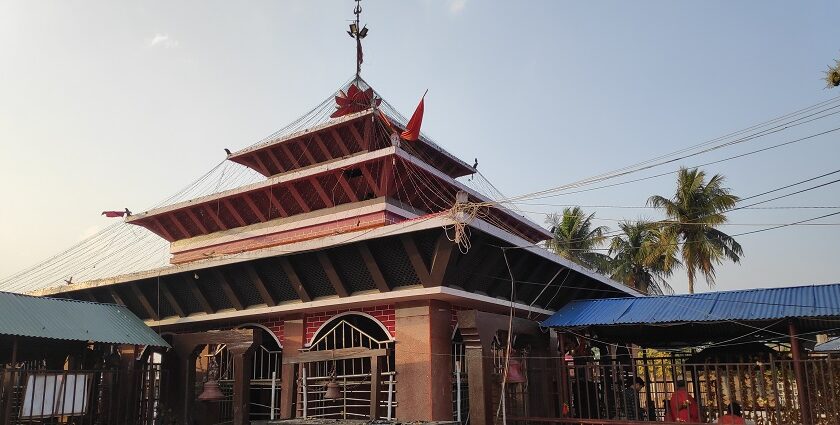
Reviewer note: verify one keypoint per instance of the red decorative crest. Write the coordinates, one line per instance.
(354, 100)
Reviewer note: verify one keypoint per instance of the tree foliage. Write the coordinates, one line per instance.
(642, 257)
(575, 238)
(694, 212)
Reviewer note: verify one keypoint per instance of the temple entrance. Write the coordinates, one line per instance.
(266, 361)
(347, 371)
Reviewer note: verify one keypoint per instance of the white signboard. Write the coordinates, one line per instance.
(53, 394)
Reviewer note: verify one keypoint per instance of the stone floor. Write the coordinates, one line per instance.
(345, 422)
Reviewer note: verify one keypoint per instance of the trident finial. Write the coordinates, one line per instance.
(358, 34)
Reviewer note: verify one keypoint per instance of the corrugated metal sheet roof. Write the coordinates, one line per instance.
(830, 346)
(42, 317)
(744, 305)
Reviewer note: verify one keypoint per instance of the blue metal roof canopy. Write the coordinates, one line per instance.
(669, 317)
(61, 319)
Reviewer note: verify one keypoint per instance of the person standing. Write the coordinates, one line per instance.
(683, 406)
(630, 402)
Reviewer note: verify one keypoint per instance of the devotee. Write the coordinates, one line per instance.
(683, 405)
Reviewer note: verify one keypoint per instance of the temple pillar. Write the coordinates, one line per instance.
(478, 329)
(242, 367)
(423, 361)
(129, 367)
(293, 340)
(187, 355)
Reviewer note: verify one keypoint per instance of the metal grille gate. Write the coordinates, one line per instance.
(347, 352)
(266, 362)
(460, 384)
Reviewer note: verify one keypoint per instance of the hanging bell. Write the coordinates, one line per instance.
(332, 393)
(514, 373)
(211, 392)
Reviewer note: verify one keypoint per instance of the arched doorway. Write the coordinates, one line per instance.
(353, 352)
(266, 361)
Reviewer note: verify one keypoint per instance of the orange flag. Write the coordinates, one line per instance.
(412, 130)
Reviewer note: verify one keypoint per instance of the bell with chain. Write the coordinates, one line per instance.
(333, 392)
(212, 391)
(515, 374)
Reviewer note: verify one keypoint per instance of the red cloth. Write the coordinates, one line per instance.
(731, 419)
(355, 100)
(684, 407)
(112, 214)
(412, 129)
(360, 57)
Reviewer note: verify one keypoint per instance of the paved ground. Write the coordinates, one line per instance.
(343, 422)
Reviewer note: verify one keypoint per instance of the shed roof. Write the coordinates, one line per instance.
(830, 346)
(812, 301)
(43, 317)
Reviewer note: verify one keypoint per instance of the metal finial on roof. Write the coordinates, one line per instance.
(358, 34)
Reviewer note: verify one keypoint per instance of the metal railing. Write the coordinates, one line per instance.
(767, 391)
(64, 396)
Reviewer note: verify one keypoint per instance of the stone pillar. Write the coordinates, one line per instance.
(242, 367)
(129, 368)
(293, 340)
(423, 363)
(187, 355)
(479, 376)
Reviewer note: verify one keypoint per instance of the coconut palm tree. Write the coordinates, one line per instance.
(642, 257)
(694, 212)
(576, 239)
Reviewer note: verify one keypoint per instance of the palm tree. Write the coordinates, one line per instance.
(694, 212)
(642, 257)
(576, 239)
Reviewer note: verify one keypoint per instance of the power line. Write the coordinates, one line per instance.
(547, 192)
(631, 170)
(618, 232)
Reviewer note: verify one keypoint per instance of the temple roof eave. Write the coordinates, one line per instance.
(314, 129)
(444, 293)
(533, 230)
(418, 163)
(419, 224)
(458, 168)
(303, 173)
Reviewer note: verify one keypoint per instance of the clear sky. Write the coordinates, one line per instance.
(110, 104)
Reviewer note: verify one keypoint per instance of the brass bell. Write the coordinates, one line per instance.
(332, 393)
(514, 372)
(211, 392)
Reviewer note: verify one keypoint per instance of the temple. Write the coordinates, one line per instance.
(360, 278)
(357, 278)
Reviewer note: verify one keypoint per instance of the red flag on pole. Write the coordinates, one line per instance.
(360, 57)
(412, 130)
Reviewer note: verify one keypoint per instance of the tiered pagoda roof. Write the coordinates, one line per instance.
(342, 212)
(346, 174)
